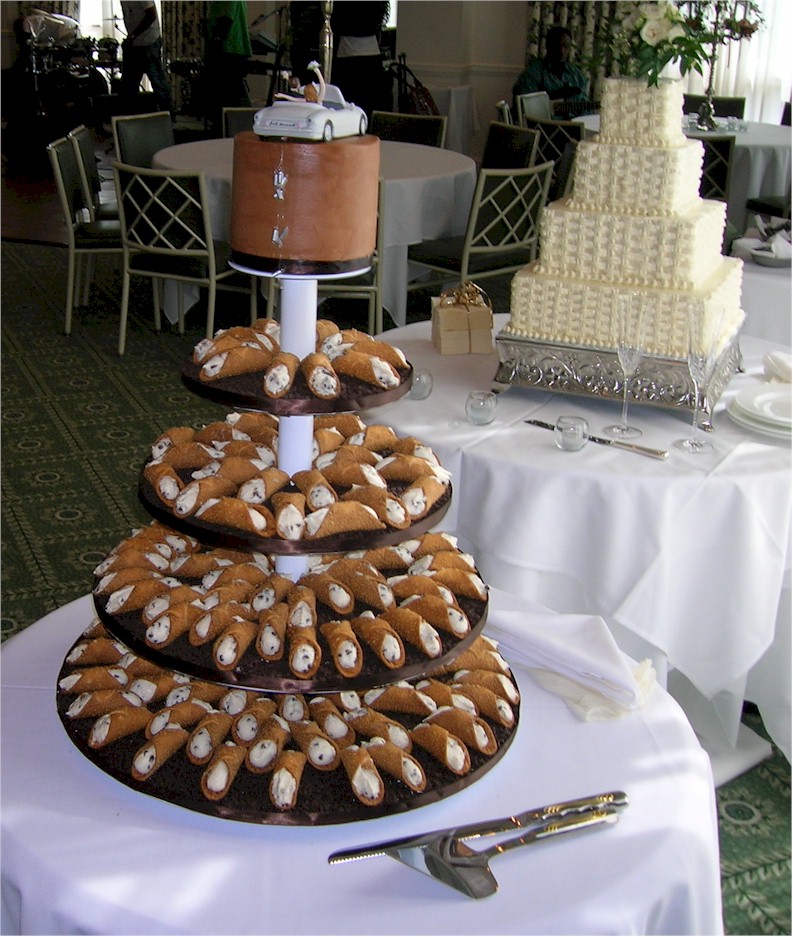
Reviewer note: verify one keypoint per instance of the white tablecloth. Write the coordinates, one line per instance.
(428, 195)
(459, 107)
(767, 301)
(83, 854)
(686, 559)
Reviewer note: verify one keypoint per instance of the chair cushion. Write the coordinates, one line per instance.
(98, 234)
(447, 253)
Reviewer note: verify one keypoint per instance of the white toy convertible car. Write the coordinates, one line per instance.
(326, 118)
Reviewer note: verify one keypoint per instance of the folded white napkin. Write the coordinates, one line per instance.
(575, 657)
(778, 366)
(743, 247)
(780, 245)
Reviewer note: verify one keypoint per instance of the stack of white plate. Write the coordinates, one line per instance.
(765, 408)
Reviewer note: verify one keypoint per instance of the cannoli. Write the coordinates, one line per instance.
(157, 751)
(196, 565)
(327, 716)
(234, 701)
(398, 763)
(200, 690)
(214, 622)
(238, 591)
(347, 472)
(315, 487)
(172, 624)
(187, 713)
(232, 512)
(381, 638)
(376, 437)
(371, 723)
(289, 511)
(161, 603)
(325, 441)
(146, 557)
(164, 480)
(444, 746)
(322, 380)
(254, 424)
(102, 650)
(499, 683)
(301, 605)
(435, 541)
(247, 725)
(344, 647)
(443, 559)
(472, 730)
(213, 433)
(420, 497)
(400, 697)
(370, 369)
(326, 328)
(388, 507)
(139, 666)
(445, 695)
(389, 558)
(462, 582)
(371, 346)
(322, 752)
(345, 454)
(133, 597)
(350, 336)
(207, 735)
(371, 590)
(263, 485)
(232, 643)
(221, 771)
(434, 609)
(285, 782)
(171, 437)
(269, 327)
(247, 449)
(280, 374)
(404, 468)
(239, 469)
(272, 632)
(253, 573)
(351, 566)
(407, 585)
(153, 688)
(273, 735)
(482, 658)
(346, 423)
(341, 517)
(304, 654)
(95, 630)
(239, 359)
(293, 707)
(414, 629)
(94, 678)
(99, 702)
(347, 700)
(119, 578)
(190, 455)
(365, 780)
(329, 591)
(117, 724)
(275, 589)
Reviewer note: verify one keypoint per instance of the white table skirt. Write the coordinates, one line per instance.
(428, 195)
(459, 107)
(83, 854)
(767, 301)
(686, 559)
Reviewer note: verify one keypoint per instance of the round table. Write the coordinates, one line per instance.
(648, 545)
(82, 853)
(428, 193)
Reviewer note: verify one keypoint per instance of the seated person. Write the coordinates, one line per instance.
(554, 73)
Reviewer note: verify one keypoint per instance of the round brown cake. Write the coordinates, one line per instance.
(304, 207)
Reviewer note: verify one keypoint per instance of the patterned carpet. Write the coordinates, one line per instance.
(77, 422)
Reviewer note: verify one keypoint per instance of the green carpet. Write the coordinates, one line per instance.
(77, 422)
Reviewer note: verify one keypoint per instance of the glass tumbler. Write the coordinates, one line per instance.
(481, 407)
(421, 385)
(571, 432)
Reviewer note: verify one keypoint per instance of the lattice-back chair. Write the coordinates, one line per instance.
(137, 137)
(86, 239)
(167, 235)
(99, 209)
(557, 144)
(429, 129)
(509, 147)
(722, 107)
(533, 104)
(238, 119)
(504, 113)
(503, 228)
(717, 166)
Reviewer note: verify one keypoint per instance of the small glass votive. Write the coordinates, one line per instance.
(421, 384)
(571, 432)
(481, 406)
(732, 125)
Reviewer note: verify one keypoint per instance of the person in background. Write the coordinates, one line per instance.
(357, 64)
(228, 49)
(142, 52)
(554, 73)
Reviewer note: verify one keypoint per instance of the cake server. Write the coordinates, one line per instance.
(616, 443)
(484, 827)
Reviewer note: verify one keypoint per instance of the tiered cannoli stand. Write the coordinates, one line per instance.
(117, 654)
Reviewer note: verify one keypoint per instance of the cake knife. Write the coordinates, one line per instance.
(617, 443)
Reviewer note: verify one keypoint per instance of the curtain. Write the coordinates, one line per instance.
(63, 7)
(182, 26)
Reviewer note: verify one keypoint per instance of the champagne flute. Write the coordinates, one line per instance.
(630, 320)
(702, 358)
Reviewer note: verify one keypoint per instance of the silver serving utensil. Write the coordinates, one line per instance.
(616, 443)
(417, 844)
(452, 862)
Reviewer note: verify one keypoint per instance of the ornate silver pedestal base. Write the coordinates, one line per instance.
(595, 372)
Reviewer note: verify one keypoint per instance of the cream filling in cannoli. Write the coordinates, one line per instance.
(278, 380)
(178, 695)
(395, 512)
(217, 778)
(467, 705)
(293, 709)
(349, 700)
(99, 730)
(303, 658)
(455, 755)
(253, 491)
(291, 522)
(214, 365)
(430, 639)
(283, 787)
(383, 373)
(226, 651)
(301, 615)
(159, 631)
(145, 760)
(347, 655)
(247, 726)
(263, 753)
(269, 642)
(411, 771)
(323, 383)
(211, 468)
(167, 487)
(333, 345)
(320, 752)
(366, 783)
(201, 744)
(117, 673)
(314, 520)
(320, 496)
(340, 598)
(415, 501)
(234, 702)
(118, 598)
(335, 727)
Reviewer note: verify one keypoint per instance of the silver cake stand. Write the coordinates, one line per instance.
(596, 372)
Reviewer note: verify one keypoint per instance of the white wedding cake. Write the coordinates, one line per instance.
(634, 224)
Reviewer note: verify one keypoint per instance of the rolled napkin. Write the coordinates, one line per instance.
(575, 657)
(777, 366)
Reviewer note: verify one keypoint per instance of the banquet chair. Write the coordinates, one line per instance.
(238, 119)
(429, 129)
(99, 209)
(722, 107)
(137, 137)
(86, 239)
(509, 147)
(167, 235)
(504, 113)
(717, 166)
(502, 233)
(557, 144)
(534, 104)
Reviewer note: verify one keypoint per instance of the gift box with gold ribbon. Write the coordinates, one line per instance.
(462, 321)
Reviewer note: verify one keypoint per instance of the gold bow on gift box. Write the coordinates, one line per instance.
(462, 321)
